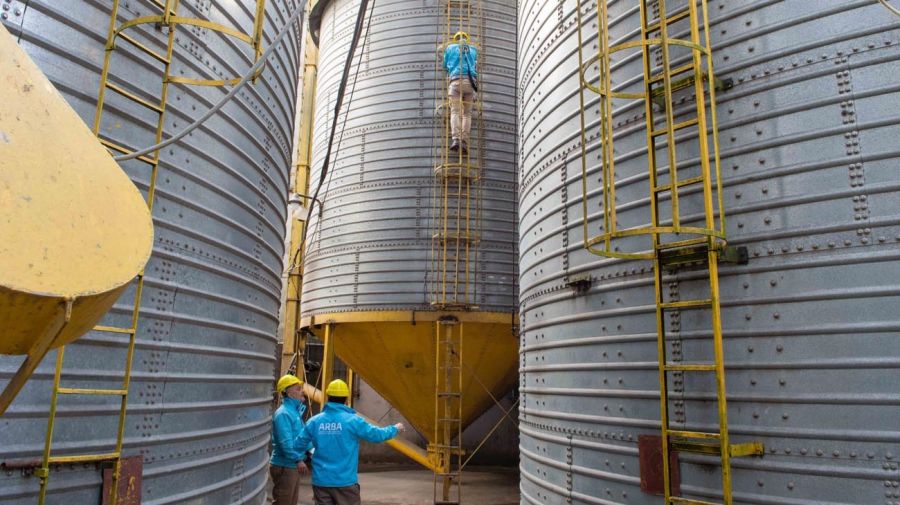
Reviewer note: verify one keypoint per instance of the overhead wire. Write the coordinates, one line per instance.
(887, 5)
(357, 35)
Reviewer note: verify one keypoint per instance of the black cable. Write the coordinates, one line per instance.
(365, 37)
(357, 31)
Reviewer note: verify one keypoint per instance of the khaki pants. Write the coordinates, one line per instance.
(286, 487)
(347, 495)
(462, 97)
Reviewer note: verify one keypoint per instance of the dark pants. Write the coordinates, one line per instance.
(347, 495)
(286, 485)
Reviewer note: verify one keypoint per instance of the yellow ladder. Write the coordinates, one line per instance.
(456, 194)
(170, 19)
(672, 243)
(447, 447)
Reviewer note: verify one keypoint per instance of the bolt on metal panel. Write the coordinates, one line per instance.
(200, 401)
(807, 136)
(370, 251)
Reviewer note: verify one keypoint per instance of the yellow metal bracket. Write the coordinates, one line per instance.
(170, 20)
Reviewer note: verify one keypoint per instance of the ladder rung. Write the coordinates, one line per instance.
(687, 501)
(686, 304)
(142, 47)
(116, 147)
(443, 446)
(676, 127)
(134, 98)
(690, 368)
(84, 458)
(673, 72)
(680, 184)
(696, 447)
(83, 391)
(714, 448)
(683, 243)
(114, 329)
(674, 18)
(442, 395)
(443, 502)
(705, 435)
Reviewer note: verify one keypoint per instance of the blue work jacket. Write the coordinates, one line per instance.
(287, 423)
(458, 67)
(335, 435)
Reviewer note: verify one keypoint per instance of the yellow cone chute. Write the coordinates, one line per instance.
(74, 230)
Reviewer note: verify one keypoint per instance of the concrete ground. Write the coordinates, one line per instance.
(393, 485)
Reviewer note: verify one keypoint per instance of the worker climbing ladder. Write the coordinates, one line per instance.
(456, 222)
(456, 195)
(674, 242)
(168, 17)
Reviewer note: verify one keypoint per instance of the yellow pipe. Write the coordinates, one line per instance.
(350, 385)
(404, 447)
(294, 341)
(327, 359)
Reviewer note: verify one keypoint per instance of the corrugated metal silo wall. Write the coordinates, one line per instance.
(809, 156)
(200, 396)
(371, 249)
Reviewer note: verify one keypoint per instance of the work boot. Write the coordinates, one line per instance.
(464, 146)
(454, 146)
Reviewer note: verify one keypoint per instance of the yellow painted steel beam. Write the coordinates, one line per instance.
(404, 447)
(61, 250)
(410, 316)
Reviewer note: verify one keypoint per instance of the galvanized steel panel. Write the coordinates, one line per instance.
(371, 249)
(809, 156)
(200, 398)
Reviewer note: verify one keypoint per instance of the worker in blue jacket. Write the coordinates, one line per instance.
(460, 61)
(335, 434)
(288, 457)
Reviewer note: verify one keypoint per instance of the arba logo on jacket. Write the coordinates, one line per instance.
(330, 428)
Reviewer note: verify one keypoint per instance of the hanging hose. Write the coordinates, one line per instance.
(337, 111)
(887, 5)
(251, 74)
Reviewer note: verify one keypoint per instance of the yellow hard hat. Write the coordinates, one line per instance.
(337, 387)
(287, 381)
(459, 35)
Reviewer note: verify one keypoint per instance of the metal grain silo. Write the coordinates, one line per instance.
(368, 272)
(199, 401)
(807, 127)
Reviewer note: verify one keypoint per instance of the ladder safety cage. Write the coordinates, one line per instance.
(117, 33)
(695, 125)
(456, 190)
(669, 65)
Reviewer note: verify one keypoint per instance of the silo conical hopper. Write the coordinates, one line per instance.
(369, 276)
(64, 257)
